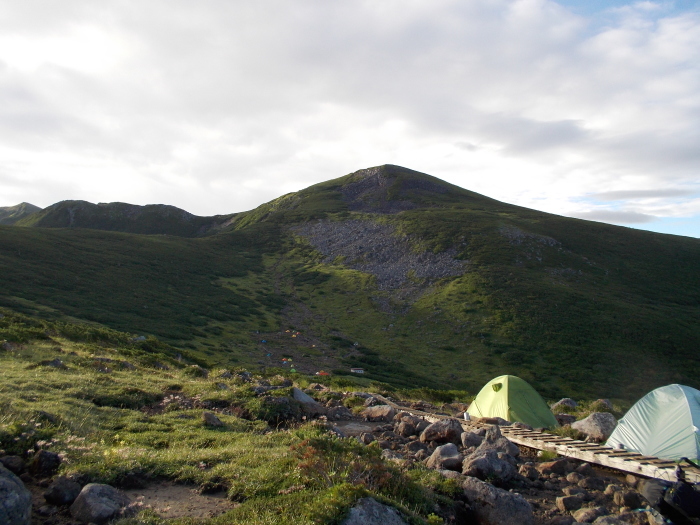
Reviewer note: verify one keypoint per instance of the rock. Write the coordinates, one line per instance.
(592, 483)
(62, 491)
(562, 520)
(421, 425)
(415, 446)
(636, 518)
(54, 363)
(494, 440)
(529, 471)
(493, 506)
(569, 503)
(611, 489)
(371, 401)
(585, 469)
(445, 457)
(367, 511)
(598, 426)
(558, 466)
(211, 420)
(564, 419)
(378, 413)
(405, 429)
(365, 438)
(226, 375)
(340, 413)
(564, 403)
(222, 386)
(47, 510)
(575, 491)
(14, 464)
(471, 439)
(309, 405)
(608, 520)
(588, 514)
(603, 404)
(443, 431)
(632, 480)
(524, 426)
(490, 465)
(126, 365)
(99, 504)
(574, 477)
(45, 463)
(15, 500)
(628, 498)
(392, 456)
(451, 474)
(498, 421)
(422, 455)
(383, 444)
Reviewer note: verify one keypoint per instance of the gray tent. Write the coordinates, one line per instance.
(665, 423)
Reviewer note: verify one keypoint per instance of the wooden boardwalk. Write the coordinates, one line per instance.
(628, 462)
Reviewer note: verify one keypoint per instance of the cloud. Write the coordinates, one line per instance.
(615, 217)
(642, 194)
(218, 106)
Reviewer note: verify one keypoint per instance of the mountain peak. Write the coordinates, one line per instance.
(11, 214)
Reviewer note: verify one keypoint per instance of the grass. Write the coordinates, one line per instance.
(146, 422)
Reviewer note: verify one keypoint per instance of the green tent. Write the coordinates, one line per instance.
(512, 399)
(664, 424)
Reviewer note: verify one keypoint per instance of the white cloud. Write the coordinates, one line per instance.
(219, 106)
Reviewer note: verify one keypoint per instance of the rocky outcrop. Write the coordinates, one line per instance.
(99, 504)
(598, 426)
(15, 500)
(494, 506)
(369, 511)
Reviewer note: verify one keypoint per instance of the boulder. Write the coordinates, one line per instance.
(443, 431)
(340, 413)
(62, 491)
(605, 404)
(569, 503)
(15, 500)
(45, 463)
(628, 498)
(563, 404)
(378, 413)
(211, 420)
(529, 471)
(445, 457)
(368, 511)
(490, 465)
(471, 439)
(494, 440)
(405, 429)
(558, 466)
(588, 514)
(309, 405)
(14, 464)
(611, 489)
(574, 477)
(592, 483)
(494, 506)
(598, 426)
(365, 438)
(585, 469)
(99, 504)
(575, 491)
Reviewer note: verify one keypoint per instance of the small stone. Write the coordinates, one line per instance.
(585, 469)
(211, 420)
(99, 504)
(471, 439)
(558, 466)
(592, 483)
(632, 480)
(365, 438)
(574, 491)
(611, 489)
(574, 477)
(628, 498)
(588, 514)
(529, 471)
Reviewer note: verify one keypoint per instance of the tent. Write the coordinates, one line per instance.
(664, 423)
(512, 399)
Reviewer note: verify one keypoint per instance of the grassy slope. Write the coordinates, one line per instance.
(94, 419)
(597, 311)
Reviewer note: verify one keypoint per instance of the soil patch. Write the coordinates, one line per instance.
(169, 500)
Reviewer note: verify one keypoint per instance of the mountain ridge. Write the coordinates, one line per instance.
(418, 281)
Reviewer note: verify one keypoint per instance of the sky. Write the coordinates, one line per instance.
(583, 108)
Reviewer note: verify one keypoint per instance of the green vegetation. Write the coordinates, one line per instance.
(144, 422)
(576, 308)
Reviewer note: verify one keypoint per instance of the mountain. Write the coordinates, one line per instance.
(122, 217)
(12, 214)
(419, 282)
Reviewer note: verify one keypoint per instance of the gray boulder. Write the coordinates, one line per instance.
(490, 465)
(443, 431)
(15, 500)
(62, 491)
(494, 506)
(566, 403)
(445, 457)
(405, 429)
(211, 420)
(369, 511)
(598, 426)
(309, 405)
(471, 439)
(379, 413)
(99, 504)
(496, 442)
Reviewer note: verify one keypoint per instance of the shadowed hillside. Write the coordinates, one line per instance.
(12, 214)
(418, 281)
